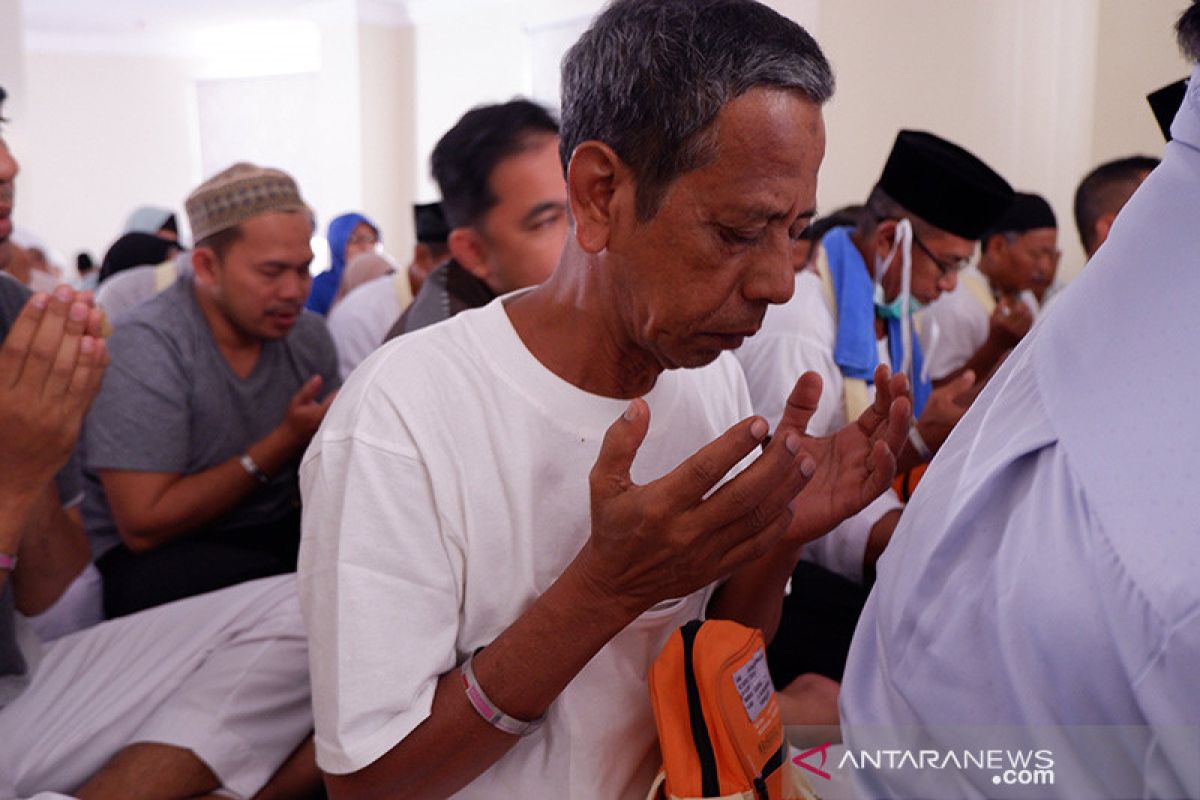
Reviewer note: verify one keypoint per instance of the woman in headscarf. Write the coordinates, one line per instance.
(348, 235)
(136, 250)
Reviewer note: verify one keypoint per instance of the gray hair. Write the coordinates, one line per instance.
(649, 77)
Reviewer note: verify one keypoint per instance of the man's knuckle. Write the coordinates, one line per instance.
(703, 470)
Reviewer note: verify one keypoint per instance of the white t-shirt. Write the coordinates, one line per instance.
(363, 317)
(1051, 580)
(446, 490)
(798, 337)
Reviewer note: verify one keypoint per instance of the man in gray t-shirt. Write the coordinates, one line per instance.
(214, 390)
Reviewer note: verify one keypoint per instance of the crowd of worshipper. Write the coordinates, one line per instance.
(420, 531)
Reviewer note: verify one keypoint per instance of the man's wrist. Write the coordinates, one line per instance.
(591, 591)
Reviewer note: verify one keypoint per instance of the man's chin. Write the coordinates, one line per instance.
(696, 357)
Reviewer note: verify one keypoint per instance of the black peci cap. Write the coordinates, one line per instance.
(944, 185)
(430, 223)
(1165, 103)
(1026, 213)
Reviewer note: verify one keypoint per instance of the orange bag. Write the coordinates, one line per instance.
(717, 715)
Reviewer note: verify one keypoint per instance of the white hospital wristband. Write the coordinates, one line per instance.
(487, 709)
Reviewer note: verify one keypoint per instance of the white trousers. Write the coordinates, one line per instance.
(223, 674)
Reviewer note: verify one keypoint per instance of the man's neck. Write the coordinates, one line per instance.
(578, 338)
(996, 285)
(240, 351)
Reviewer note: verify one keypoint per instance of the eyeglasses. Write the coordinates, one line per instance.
(363, 238)
(946, 267)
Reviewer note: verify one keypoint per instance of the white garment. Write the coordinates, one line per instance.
(363, 317)
(438, 509)
(80, 606)
(797, 337)
(131, 287)
(222, 674)
(961, 322)
(1045, 571)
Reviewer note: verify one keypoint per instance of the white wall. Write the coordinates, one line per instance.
(387, 87)
(102, 134)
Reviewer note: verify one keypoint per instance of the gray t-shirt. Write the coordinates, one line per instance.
(171, 403)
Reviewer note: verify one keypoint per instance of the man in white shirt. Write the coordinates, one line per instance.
(485, 548)
(1048, 600)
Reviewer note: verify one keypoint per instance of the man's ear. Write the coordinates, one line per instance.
(1103, 225)
(470, 250)
(995, 245)
(205, 265)
(884, 238)
(595, 177)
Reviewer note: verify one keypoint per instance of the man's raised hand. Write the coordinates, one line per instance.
(853, 465)
(675, 535)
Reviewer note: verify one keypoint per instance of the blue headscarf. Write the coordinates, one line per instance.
(325, 285)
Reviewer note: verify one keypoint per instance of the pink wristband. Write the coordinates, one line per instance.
(487, 709)
(8, 562)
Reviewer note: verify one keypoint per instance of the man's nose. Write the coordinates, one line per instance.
(772, 278)
(948, 281)
(8, 165)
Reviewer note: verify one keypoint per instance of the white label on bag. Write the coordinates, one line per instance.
(753, 682)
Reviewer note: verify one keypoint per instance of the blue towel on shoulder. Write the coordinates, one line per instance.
(856, 352)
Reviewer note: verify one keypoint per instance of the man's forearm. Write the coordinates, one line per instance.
(754, 595)
(54, 550)
(15, 506)
(187, 502)
(522, 672)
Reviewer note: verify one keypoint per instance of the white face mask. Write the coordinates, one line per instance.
(904, 305)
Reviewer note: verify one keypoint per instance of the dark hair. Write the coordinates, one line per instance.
(880, 206)
(3, 97)
(846, 215)
(1187, 31)
(135, 250)
(1105, 190)
(464, 158)
(221, 241)
(649, 77)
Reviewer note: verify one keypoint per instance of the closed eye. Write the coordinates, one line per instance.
(737, 236)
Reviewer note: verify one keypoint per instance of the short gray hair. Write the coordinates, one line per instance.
(649, 77)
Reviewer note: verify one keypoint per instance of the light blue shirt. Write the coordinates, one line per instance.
(1046, 571)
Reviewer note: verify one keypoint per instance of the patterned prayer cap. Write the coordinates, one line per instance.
(239, 193)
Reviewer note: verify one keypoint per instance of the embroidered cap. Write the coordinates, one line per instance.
(239, 193)
(944, 184)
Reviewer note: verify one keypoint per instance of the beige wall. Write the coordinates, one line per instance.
(387, 87)
(12, 65)
(1136, 54)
